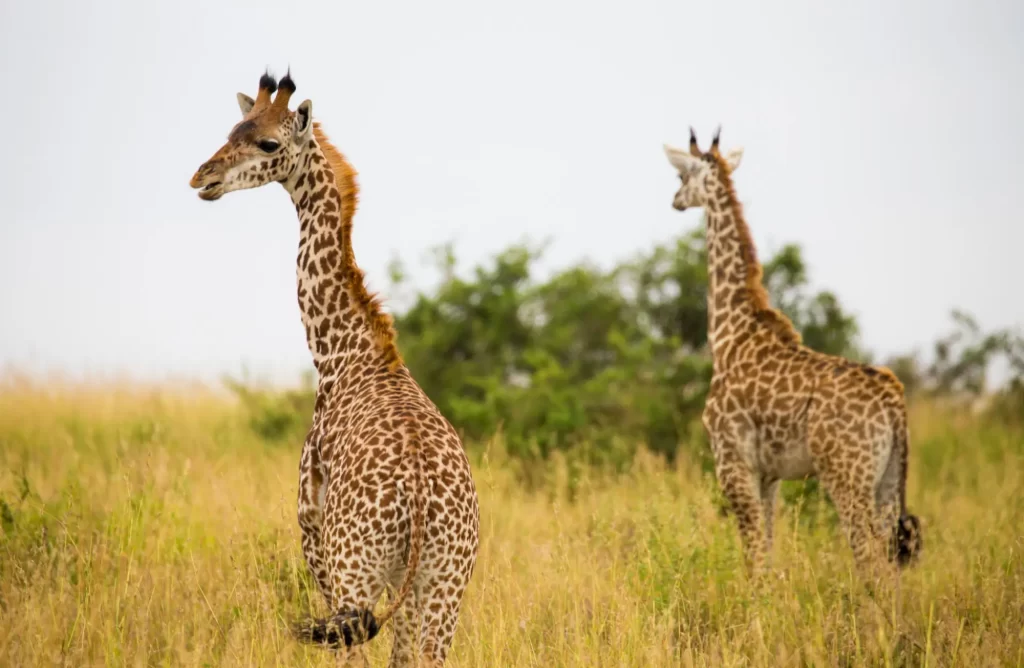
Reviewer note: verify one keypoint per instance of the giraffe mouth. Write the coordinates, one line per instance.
(212, 191)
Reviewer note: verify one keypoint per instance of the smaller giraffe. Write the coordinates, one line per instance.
(777, 410)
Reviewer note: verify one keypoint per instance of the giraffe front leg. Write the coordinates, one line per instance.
(312, 487)
(743, 492)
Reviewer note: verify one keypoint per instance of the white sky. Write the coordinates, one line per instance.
(885, 138)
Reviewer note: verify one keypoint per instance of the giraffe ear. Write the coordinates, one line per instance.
(303, 121)
(733, 158)
(681, 160)
(245, 103)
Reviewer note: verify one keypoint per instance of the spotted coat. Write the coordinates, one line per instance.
(386, 498)
(777, 410)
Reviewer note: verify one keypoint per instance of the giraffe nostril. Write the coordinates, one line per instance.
(205, 171)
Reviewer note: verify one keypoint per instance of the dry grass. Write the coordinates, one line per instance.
(149, 527)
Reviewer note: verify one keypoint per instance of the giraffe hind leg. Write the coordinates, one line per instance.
(405, 624)
(854, 500)
(439, 600)
(439, 616)
(769, 493)
(887, 505)
(312, 488)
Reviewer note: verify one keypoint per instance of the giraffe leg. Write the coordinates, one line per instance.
(769, 492)
(440, 603)
(744, 495)
(887, 505)
(405, 624)
(855, 504)
(886, 519)
(352, 657)
(731, 442)
(312, 486)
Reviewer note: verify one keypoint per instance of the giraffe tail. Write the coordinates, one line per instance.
(354, 627)
(906, 536)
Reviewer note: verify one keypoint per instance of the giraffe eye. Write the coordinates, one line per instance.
(268, 145)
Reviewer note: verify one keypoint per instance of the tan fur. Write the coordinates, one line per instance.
(777, 410)
(386, 498)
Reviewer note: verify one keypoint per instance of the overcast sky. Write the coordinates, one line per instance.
(883, 137)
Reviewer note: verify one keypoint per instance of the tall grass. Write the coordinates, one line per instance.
(151, 527)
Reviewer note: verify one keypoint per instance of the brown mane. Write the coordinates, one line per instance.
(774, 320)
(380, 323)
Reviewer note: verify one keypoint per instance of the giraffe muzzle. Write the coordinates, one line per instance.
(209, 183)
(212, 191)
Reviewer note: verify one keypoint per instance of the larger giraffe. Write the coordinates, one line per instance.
(386, 498)
(777, 410)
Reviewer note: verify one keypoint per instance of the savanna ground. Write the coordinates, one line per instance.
(151, 527)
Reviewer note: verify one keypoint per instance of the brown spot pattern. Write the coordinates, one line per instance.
(777, 410)
(386, 497)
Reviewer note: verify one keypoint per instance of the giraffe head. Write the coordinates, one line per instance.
(700, 172)
(265, 146)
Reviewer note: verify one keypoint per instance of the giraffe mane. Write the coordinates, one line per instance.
(774, 320)
(381, 324)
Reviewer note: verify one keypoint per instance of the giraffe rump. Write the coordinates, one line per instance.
(348, 627)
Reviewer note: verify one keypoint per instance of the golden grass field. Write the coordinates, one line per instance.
(148, 526)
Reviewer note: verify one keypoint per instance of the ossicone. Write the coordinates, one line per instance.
(694, 149)
(285, 89)
(714, 140)
(268, 83)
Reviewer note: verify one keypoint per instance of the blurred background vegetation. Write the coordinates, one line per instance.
(595, 363)
(156, 525)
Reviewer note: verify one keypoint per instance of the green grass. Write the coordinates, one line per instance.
(147, 526)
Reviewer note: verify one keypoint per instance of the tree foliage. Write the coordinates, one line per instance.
(610, 358)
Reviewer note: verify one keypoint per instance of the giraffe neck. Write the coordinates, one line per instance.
(738, 307)
(343, 322)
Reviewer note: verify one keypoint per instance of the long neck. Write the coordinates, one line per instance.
(342, 320)
(737, 302)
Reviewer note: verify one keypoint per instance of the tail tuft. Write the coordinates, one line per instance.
(348, 628)
(906, 540)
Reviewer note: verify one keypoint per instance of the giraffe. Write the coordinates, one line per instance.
(386, 498)
(777, 410)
